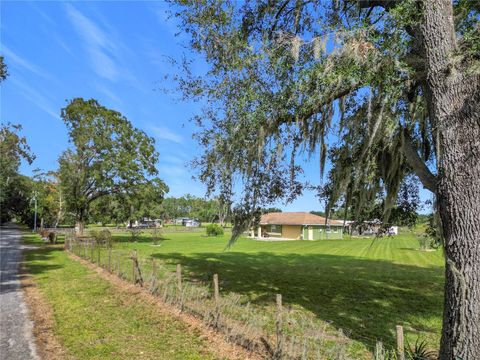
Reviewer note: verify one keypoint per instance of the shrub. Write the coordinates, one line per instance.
(419, 351)
(102, 237)
(52, 237)
(134, 234)
(105, 237)
(156, 235)
(44, 234)
(93, 234)
(432, 231)
(214, 230)
(426, 242)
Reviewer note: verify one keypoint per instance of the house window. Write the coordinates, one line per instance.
(276, 229)
(328, 230)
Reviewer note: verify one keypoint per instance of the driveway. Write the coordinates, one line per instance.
(16, 339)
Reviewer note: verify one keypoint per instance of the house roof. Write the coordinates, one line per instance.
(295, 218)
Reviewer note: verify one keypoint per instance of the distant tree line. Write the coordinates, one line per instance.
(108, 171)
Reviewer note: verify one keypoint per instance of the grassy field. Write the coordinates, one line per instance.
(363, 286)
(95, 320)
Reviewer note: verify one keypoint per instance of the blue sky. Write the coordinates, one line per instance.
(115, 52)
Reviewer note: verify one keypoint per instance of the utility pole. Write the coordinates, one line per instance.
(35, 218)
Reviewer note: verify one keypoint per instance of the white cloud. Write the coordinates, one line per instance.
(109, 94)
(35, 97)
(165, 18)
(63, 45)
(18, 61)
(172, 159)
(97, 43)
(42, 14)
(172, 171)
(161, 132)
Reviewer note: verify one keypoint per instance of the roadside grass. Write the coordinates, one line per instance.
(95, 320)
(362, 286)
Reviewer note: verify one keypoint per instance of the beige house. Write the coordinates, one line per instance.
(297, 226)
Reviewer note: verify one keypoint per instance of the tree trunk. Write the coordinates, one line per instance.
(221, 219)
(60, 210)
(453, 98)
(80, 226)
(80, 223)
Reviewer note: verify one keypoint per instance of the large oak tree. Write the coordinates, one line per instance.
(385, 88)
(108, 155)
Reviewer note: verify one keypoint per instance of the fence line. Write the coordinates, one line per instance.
(286, 334)
(60, 230)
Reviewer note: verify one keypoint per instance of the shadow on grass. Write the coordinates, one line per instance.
(365, 298)
(36, 260)
(125, 238)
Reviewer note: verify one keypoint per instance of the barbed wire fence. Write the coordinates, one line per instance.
(286, 333)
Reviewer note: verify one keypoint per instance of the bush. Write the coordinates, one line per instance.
(135, 234)
(102, 237)
(52, 238)
(93, 234)
(156, 235)
(419, 351)
(214, 230)
(105, 237)
(427, 243)
(44, 234)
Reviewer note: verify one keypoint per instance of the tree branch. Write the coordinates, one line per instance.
(97, 195)
(429, 181)
(277, 16)
(308, 111)
(386, 4)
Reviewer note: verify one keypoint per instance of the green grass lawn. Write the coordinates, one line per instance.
(95, 320)
(363, 286)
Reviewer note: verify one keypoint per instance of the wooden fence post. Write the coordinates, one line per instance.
(98, 255)
(379, 351)
(179, 277)
(400, 343)
(109, 259)
(118, 271)
(279, 328)
(180, 285)
(216, 296)
(134, 277)
(153, 279)
(216, 289)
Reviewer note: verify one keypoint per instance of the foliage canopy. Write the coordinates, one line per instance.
(342, 79)
(15, 189)
(108, 155)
